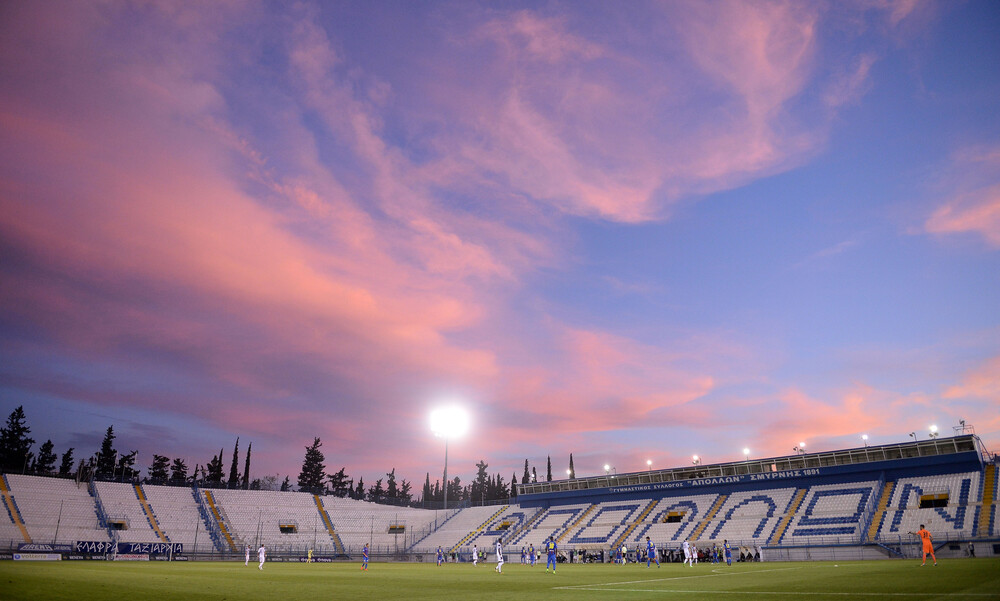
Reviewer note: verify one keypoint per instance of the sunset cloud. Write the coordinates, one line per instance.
(284, 222)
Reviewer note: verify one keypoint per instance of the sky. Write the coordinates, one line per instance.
(626, 231)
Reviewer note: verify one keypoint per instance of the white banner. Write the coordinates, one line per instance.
(37, 557)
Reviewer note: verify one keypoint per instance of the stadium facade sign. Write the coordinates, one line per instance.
(132, 557)
(695, 482)
(43, 548)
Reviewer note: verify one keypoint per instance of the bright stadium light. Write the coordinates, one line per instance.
(649, 464)
(448, 422)
(696, 460)
(864, 437)
(934, 431)
(746, 453)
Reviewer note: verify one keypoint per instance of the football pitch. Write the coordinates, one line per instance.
(958, 579)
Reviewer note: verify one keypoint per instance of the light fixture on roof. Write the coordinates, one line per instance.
(696, 460)
(864, 437)
(934, 431)
(649, 464)
(746, 453)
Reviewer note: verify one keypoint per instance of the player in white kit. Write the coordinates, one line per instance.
(687, 554)
(499, 567)
(475, 556)
(260, 555)
(246, 552)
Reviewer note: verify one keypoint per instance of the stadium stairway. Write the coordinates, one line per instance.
(716, 506)
(526, 527)
(153, 522)
(880, 511)
(479, 529)
(217, 516)
(12, 511)
(575, 524)
(793, 508)
(338, 545)
(987, 511)
(631, 527)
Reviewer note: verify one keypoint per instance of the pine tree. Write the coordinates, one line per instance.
(46, 461)
(213, 471)
(391, 491)
(405, 495)
(107, 458)
(480, 485)
(376, 492)
(246, 469)
(286, 485)
(359, 492)
(548, 473)
(339, 486)
(572, 470)
(15, 444)
(125, 468)
(178, 471)
(513, 485)
(234, 473)
(312, 476)
(158, 470)
(526, 477)
(66, 465)
(534, 475)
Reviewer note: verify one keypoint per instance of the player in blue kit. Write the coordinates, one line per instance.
(729, 552)
(531, 554)
(550, 555)
(364, 558)
(651, 553)
(440, 557)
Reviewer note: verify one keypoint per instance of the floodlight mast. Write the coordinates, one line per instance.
(448, 422)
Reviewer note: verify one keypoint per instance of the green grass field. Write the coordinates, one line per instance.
(958, 579)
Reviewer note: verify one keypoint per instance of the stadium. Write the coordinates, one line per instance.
(618, 233)
(860, 504)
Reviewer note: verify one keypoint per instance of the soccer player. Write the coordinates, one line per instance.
(475, 556)
(925, 536)
(364, 558)
(729, 552)
(624, 554)
(687, 553)
(260, 555)
(531, 554)
(246, 554)
(440, 558)
(651, 553)
(550, 553)
(309, 556)
(499, 567)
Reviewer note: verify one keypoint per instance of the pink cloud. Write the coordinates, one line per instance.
(974, 205)
(983, 382)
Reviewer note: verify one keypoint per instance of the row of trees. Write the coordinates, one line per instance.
(108, 463)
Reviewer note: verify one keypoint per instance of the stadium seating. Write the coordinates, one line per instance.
(53, 510)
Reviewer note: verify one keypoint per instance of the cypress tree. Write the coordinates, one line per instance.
(234, 474)
(246, 469)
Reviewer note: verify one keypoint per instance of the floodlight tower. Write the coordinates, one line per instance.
(448, 422)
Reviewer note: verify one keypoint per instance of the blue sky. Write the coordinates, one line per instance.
(625, 233)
